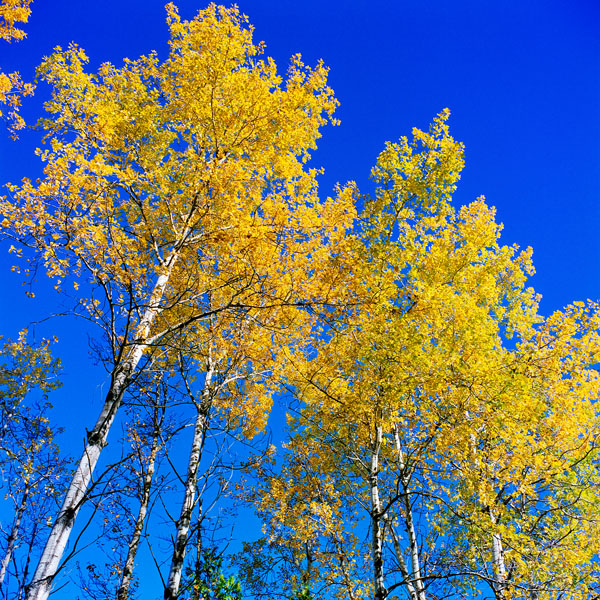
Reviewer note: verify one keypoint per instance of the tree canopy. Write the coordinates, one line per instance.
(442, 433)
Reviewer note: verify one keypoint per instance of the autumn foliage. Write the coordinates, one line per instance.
(12, 87)
(442, 432)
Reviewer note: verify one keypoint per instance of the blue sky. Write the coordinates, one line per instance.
(521, 78)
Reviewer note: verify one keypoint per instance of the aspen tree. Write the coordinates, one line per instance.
(172, 191)
(457, 423)
(239, 366)
(203, 408)
(148, 454)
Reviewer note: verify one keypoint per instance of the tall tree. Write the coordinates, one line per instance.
(460, 424)
(238, 369)
(174, 191)
(147, 446)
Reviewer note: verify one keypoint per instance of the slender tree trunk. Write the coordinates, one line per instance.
(14, 533)
(377, 518)
(499, 567)
(123, 591)
(40, 587)
(414, 546)
(22, 587)
(183, 524)
(413, 579)
(406, 576)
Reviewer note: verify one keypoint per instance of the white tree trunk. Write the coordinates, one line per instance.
(414, 546)
(406, 576)
(500, 574)
(40, 587)
(377, 518)
(123, 591)
(183, 524)
(413, 579)
(14, 533)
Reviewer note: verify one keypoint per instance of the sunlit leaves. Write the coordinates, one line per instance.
(12, 87)
(192, 166)
(12, 12)
(487, 410)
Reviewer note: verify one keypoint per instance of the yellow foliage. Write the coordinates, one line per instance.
(486, 408)
(12, 87)
(181, 185)
(11, 12)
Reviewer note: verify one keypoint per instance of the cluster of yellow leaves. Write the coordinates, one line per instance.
(25, 433)
(11, 12)
(12, 87)
(26, 367)
(304, 511)
(190, 170)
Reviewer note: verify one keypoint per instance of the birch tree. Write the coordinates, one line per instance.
(148, 449)
(238, 368)
(174, 191)
(446, 413)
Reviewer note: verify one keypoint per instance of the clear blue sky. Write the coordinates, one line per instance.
(522, 79)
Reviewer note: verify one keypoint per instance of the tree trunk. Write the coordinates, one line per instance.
(499, 567)
(412, 579)
(40, 587)
(407, 580)
(14, 533)
(183, 524)
(22, 587)
(123, 591)
(414, 545)
(377, 518)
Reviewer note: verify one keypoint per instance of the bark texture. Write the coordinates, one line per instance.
(183, 524)
(500, 575)
(377, 517)
(41, 585)
(14, 534)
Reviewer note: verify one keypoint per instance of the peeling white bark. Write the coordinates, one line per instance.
(500, 574)
(41, 584)
(183, 524)
(377, 518)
